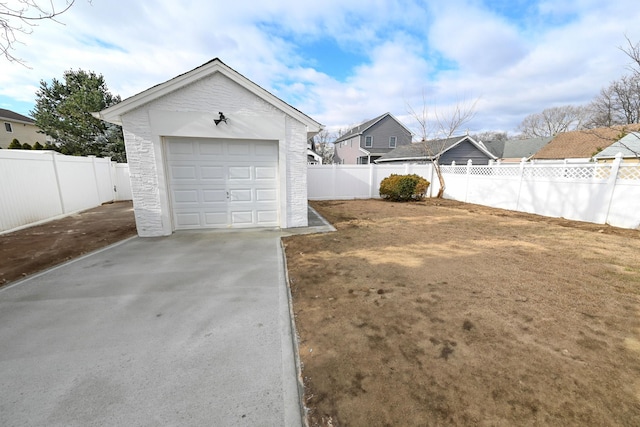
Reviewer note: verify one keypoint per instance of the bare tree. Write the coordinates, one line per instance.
(323, 142)
(554, 120)
(633, 52)
(19, 17)
(618, 104)
(436, 127)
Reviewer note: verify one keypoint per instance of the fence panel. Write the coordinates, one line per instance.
(340, 182)
(41, 185)
(19, 171)
(593, 192)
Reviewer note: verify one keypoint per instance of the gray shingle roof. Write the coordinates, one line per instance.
(629, 146)
(426, 150)
(362, 127)
(517, 148)
(11, 115)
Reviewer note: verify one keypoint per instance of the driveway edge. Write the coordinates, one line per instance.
(294, 339)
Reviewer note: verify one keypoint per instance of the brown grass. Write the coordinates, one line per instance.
(441, 313)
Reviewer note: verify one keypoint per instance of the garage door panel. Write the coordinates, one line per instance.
(238, 149)
(215, 219)
(266, 195)
(267, 216)
(242, 218)
(240, 195)
(210, 149)
(185, 196)
(182, 148)
(187, 220)
(183, 172)
(223, 183)
(214, 196)
(239, 173)
(266, 150)
(212, 173)
(263, 172)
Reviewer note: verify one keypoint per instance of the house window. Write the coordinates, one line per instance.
(392, 142)
(368, 141)
(7, 127)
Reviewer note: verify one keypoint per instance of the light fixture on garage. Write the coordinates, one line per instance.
(221, 119)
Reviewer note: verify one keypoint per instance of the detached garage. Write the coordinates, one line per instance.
(211, 149)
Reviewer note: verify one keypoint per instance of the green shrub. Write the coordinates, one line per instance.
(27, 146)
(402, 188)
(15, 144)
(38, 146)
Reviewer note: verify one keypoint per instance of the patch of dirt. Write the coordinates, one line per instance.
(37, 248)
(444, 313)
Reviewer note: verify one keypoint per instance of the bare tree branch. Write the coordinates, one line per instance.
(20, 18)
(437, 127)
(633, 52)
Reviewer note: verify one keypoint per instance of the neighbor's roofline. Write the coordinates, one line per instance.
(348, 135)
(114, 113)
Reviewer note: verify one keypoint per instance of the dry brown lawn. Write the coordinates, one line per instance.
(442, 313)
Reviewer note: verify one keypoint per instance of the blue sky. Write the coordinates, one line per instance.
(343, 62)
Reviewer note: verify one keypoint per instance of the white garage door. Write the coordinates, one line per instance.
(222, 183)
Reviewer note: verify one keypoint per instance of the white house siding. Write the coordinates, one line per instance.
(190, 111)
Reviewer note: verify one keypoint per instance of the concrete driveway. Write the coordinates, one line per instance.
(191, 329)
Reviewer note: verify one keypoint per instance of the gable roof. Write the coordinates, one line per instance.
(12, 115)
(430, 149)
(517, 148)
(363, 127)
(582, 143)
(629, 146)
(114, 113)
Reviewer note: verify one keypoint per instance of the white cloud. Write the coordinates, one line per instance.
(563, 53)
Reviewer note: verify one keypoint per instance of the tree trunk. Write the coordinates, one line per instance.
(436, 165)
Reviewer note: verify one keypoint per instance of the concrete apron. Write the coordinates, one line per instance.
(191, 329)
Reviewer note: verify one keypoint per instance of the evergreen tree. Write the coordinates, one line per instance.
(37, 146)
(63, 111)
(27, 146)
(15, 145)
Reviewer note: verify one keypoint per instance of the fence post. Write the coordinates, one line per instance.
(522, 163)
(370, 180)
(611, 184)
(58, 186)
(466, 191)
(334, 170)
(112, 175)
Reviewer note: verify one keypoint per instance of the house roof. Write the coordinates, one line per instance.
(517, 148)
(582, 143)
(11, 115)
(114, 113)
(429, 149)
(629, 146)
(363, 127)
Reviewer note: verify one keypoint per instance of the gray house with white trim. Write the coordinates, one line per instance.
(212, 149)
(365, 143)
(458, 149)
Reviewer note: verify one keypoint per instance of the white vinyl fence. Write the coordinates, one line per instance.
(594, 192)
(40, 185)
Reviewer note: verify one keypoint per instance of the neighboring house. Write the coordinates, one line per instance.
(365, 143)
(313, 158)
(514, 150)
(458, 149)
(17, 126)
(581, 145)
(629, 147)
(212, 149)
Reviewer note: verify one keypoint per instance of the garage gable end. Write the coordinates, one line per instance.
(114, 113)
(189, 169)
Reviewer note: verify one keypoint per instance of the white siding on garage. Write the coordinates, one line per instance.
(217, 183)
